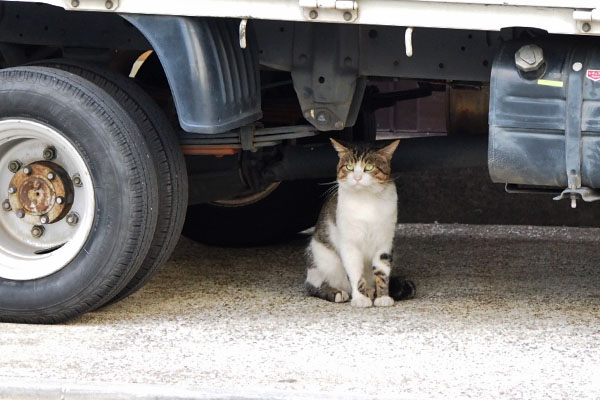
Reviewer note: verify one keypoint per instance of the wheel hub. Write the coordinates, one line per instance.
(43, 191)
(47, 197)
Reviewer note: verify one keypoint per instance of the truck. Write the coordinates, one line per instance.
(118, 117)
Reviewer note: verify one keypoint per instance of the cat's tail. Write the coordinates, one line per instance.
(402, 289)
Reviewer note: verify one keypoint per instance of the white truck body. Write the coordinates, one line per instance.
(554, 16)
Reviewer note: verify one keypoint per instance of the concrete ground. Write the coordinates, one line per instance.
(501, 312)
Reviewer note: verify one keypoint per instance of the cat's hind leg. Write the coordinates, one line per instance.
(326, 292)
(325, 276)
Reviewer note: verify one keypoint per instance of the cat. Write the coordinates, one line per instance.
(351, 250)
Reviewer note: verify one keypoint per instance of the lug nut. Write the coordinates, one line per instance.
(44, 219)
(60, 200)
(49, 153)
(109, 4)
(72, 219)
(14, 166)
(51, 176)
(74, 3)
(77, 180)
(12, 189)
(6, 205)
(27, 170)
(37, 231)
(20, 214)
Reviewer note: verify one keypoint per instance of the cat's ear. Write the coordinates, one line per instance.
(388, 151)
(338, 146)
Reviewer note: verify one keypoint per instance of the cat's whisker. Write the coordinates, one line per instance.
(330, 192)
(328, 183)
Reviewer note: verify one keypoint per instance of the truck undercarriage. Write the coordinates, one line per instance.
(102, 114)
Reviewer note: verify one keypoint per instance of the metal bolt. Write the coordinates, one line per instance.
(313, 14)
(577, 66)
(12, 189)
(51, 175)
(109, 4)
(6, 205)
(27, 170)
(347, 16)
(49, 153)
(77, 180)
(529, 58)
(20, 213)
(14, 166)
(44, 219)
(322, 118)
(37, 231)
(60, 200)
(74, 3)
(586, 27)
(72, 219)
(339, 125)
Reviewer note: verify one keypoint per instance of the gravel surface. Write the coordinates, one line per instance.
(501, 312)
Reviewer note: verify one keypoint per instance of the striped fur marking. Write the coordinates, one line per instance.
(386, 257)
(365, 290)
(382, 281)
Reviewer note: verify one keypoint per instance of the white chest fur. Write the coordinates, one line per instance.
(366, 219)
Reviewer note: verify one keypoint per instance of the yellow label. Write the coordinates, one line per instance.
(546, 82)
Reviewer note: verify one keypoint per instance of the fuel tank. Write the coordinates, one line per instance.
(544, 117)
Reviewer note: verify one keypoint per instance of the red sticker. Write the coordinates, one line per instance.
(593, 74)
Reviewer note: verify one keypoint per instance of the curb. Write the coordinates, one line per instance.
(28, 390)
(15, 389)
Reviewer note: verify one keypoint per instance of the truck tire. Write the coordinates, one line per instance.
(166, 154)
(276, 214)
(62, 136)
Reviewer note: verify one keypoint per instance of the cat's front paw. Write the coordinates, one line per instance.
(384, 301)
(361, 301)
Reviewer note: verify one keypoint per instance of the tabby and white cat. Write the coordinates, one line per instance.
(351, 250)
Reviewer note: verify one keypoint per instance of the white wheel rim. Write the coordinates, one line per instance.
(22, 256)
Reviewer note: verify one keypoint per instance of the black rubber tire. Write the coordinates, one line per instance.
(166, 154)
(291, 208)
(126, 195)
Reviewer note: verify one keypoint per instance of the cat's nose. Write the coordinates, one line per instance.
(358, 177)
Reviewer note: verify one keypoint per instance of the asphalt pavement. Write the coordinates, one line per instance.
(501, 312)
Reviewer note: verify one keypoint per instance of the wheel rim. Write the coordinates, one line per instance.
(47, 199)
(247, 198)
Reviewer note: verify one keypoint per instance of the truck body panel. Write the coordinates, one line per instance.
(553, 16)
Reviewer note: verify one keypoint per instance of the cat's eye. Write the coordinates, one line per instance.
(369, 167)
(350, 167)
